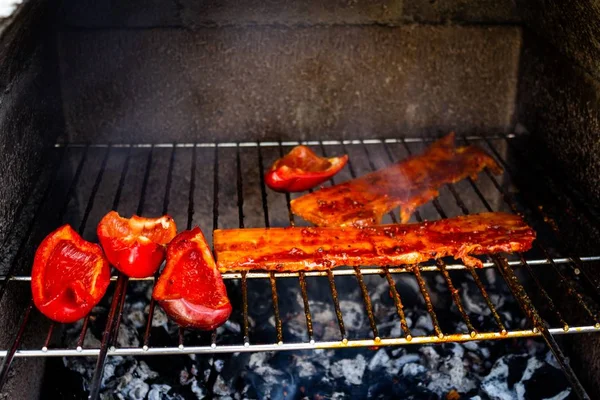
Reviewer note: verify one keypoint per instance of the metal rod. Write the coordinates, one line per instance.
(428, 303)
(538, 325)
(275, 299)
(307, 314)
(51, 180)
(524, 262)
(545, 294)
(215, 217)
(116, 307)
(17, 341)
(84, 328)
(165, 210)
(456, 297)
(594, 285)
(106, 338)
(567, 283)
(559, 189)
(46, 344)
(336, 305)
(448, 338)
(190, 219)
(357, 272)
(95, 188)
(368, 305)
(180, 340)
(399, 305)
(349, 272)
(488, 301)
(190, 222)
(246, 337)
(272, 281)
(530, 311)
(121, 184)
(240, 203)
(23, 246)
(15, 345)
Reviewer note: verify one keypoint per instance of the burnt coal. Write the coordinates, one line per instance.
(497, 370)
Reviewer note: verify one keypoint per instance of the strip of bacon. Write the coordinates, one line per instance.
(302, 249)
(409, 184)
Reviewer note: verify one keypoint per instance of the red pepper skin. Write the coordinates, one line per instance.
(136, 245)
(69, 276)
(190, 288)
(301, 169)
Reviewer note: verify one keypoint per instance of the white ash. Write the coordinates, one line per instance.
(561, 396)
(221, 388)
(413, 369)
(354, 315)
(532, 365)
(127, 337)
(305, 367)
(219, 365)
(379, 360)
(424, 322)
(161, 392)
(338, 396)
(451, 374)
(551, 360)
(258, 363)
(352, 370)
(197, 390)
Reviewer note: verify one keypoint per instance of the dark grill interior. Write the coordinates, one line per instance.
(193, 183)
(180, 106)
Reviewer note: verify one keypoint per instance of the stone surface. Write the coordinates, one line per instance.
(461, 11)
(558, 103)
(572, 26)
(193, 14)
(30, 116)
(278, 83)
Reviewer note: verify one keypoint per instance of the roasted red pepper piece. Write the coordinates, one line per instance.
(190, 288)
(301, 169)
(69, 277)
(136, 245)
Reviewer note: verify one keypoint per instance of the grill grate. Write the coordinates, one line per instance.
(195, 184)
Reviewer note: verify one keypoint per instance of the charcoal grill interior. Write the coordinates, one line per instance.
(179, 107)
(190, 181)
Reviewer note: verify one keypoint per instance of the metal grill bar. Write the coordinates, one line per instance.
(116, 307)
(428, 303)
(399, 306)
(359, 277)
(559, 190)
(444, 270)
(550, 223)
(350, 272)
(529, 309)
(165, 210)
(4, 370)
(571, 290)
(272, 282)
(336, 306)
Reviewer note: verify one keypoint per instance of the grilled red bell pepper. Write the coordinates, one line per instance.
(136, 245)
(190, 288)
(301, 169)
(69, 277)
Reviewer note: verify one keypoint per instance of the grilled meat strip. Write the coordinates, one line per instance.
(409, 184)
(322, 248)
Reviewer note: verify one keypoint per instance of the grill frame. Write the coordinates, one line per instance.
(107, 348)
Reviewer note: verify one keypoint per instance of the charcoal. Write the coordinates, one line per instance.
(478, 370)
(352, 370)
